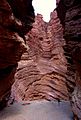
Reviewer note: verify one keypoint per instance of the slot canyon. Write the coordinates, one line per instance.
(40, 62)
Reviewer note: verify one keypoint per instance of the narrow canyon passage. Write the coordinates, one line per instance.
(40, 62)
(40, 81)
(41, 73)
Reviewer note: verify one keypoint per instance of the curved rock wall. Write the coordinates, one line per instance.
(72, 35)
(12, 41)
(41, 72)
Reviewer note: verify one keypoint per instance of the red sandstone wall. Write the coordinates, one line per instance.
(41, 72)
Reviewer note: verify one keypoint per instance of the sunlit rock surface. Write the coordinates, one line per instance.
(41, 72)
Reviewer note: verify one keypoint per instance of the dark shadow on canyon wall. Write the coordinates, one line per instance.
(16, 18)
(71, 17)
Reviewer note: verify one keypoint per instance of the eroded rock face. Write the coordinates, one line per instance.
(41, 72)
(12, 43)
(72, 35)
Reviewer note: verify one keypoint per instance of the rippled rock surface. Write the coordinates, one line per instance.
(41, 72)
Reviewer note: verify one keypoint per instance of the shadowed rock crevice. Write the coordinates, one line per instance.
(23, 11)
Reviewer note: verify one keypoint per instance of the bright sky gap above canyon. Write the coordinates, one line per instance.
(44, 7)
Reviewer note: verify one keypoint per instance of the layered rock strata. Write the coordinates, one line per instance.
(72, 35)
(41, 72)
(13, 27)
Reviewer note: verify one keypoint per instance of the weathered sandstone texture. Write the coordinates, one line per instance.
(71, 17)
(14, 24)
(41, 72)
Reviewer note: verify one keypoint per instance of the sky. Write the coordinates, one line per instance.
(44, 7)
